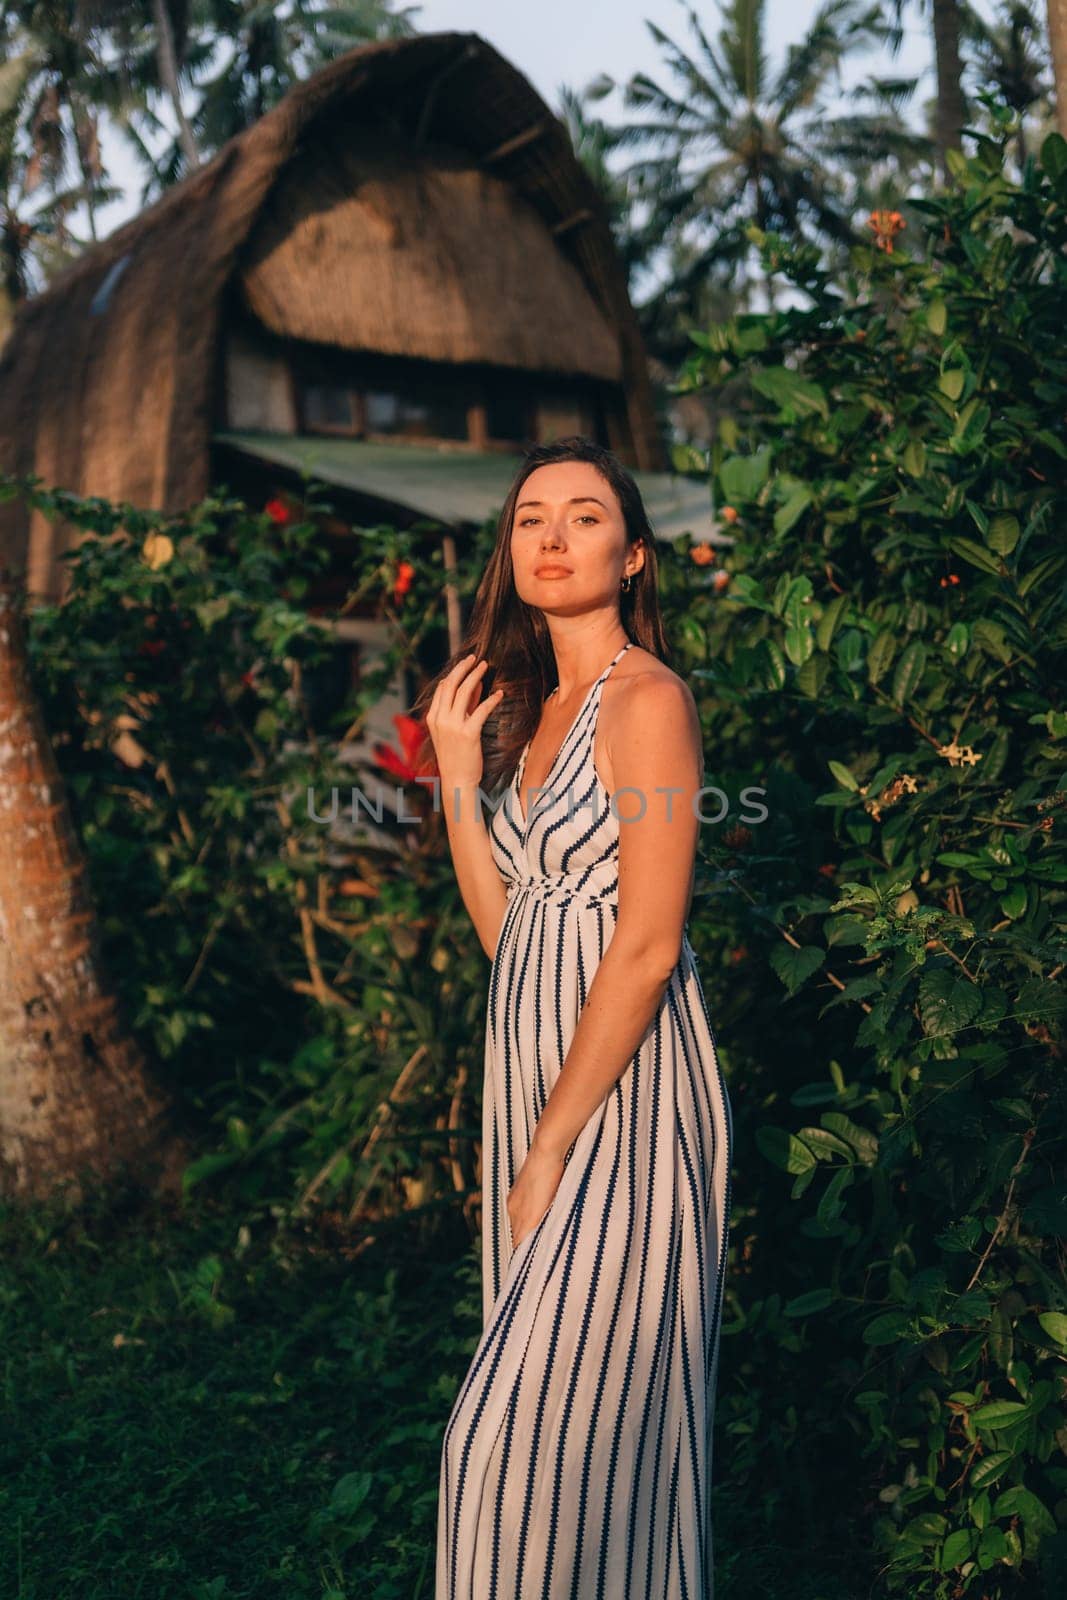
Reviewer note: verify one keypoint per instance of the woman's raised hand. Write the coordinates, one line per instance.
(455, 729)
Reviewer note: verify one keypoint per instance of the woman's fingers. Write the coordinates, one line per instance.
(451, 700)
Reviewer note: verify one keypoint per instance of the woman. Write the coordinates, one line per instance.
(576, 1461)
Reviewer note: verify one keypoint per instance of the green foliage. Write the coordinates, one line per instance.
(193, 1407)
(895, 632)
(284, 971)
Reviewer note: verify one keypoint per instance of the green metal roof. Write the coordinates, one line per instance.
(457, 486)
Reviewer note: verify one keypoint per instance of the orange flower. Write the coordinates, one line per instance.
(402, 764)
(953, 578)
(702, 554)
(829, 869)
(405, 572)
(729, 514)
(721, 581)
(738, 955)
(885, 225)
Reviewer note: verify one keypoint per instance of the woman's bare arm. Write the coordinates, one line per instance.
(477, 874)
(657, 747)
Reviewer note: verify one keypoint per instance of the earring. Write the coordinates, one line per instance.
(627, 583)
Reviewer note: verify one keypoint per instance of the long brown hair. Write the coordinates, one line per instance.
(513, 636)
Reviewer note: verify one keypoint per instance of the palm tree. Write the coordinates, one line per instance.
(950, 106)
(1011, 57)
(76, 1096)
(731, 143)
(595, 142)
(242, 56)
(56, 85)
(1057, 35)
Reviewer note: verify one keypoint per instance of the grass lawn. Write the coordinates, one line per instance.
(194, 1411)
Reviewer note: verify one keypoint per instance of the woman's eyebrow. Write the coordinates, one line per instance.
(576, 500)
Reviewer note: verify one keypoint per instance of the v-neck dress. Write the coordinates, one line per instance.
(576, 1461)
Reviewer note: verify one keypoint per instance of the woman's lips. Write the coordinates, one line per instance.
(552, 572)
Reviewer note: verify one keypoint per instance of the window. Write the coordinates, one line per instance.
(329, 408)
(381, 397)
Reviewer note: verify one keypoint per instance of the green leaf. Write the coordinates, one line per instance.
(958, 1547)
(792, 510)
(1054, 1324)
(797, 396)
(828, 622)
(861, 1140)
(990, 1468)
(926, 1528)
(1022, 1502)
(908, 675)
(999, 1413)
(799, 645)
(742, 477)
(947, 1001)
(771, 664)
(881, 654)
(843, 775)
(783, 1150)
(805, 1304)
(937, 317)
(951, 382)
(795, 966)
(1003, 534)
(957, 640)
(887, 1328)
(976, 554)
(1037, 575)
(992, 638)
(811, 677)
(914, 458)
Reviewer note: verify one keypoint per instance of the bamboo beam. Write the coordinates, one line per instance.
(518, 141)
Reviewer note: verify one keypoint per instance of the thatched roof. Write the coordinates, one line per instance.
(448, 261)
(108, 379)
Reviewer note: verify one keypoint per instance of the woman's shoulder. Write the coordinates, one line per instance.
(642, 678)
(644, 688)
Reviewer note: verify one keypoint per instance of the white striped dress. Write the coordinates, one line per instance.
(576, 1461)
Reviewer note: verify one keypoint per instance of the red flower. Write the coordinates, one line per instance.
(952, 578)
(829, 869)
(151, 647)
(405, 572)
(278, 511)
(402, 764)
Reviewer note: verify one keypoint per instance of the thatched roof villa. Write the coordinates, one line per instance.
(394, 279)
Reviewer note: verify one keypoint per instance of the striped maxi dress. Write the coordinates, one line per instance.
(576, 1461)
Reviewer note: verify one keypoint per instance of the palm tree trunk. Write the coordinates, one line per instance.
(168, 77)
(948, 131)
(76, 1099)
(1057, 33)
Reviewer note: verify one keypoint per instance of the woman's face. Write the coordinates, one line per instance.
(568, 539)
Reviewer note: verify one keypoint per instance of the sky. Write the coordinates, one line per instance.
(572, 42)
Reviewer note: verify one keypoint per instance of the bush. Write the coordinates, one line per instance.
(894, 639)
